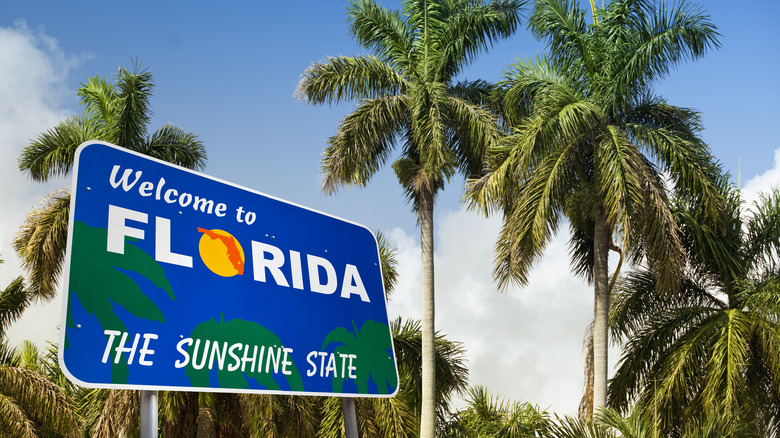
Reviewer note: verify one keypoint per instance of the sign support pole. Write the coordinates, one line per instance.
(148, 414)
(350, 418)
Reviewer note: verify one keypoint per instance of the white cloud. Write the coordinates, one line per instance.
(33, 92)
(762, 183)
(525, 344)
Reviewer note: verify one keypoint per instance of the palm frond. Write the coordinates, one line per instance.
(41, 400)
(451, 372)
(662, 39)
(475, 130)
(471, 29)
(561, 24)
(14, 421)
(763, 232)
(14, 300)
(134, 90)
(348, 78)
(523, 82)
(41, 244)
(382, 31)
(53, 152)
(475, 92)
(100, 103)
(388, 257)
(174, 145)
(363, 142)
(119, 416)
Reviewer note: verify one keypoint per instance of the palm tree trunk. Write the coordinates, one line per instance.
(428, 412)
(601, 239)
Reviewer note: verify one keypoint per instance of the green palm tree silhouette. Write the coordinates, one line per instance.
(372, 349)
(98, 280)
(250, 334)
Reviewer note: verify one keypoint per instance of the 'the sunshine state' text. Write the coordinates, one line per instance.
(237, 356)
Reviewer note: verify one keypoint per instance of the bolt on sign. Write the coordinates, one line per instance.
(179, 281)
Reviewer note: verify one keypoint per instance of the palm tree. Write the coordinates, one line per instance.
(712, 346)
(593, 144)
(30, 404)
(118, 113)
(407, 94)
(487, 416)
(608, 423)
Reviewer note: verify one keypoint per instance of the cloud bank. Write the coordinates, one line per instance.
(524, 344)
(33, 93)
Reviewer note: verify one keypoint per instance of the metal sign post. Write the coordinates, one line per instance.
(149, 414)
(350, 417)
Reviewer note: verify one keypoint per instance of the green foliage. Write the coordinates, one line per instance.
(712, 345)
(589, 134)
(41, 243)
(14, 300)
(118, 113)
(400, 416)
(485, 416)
(280, 415)
(451, 371)
(30, 404)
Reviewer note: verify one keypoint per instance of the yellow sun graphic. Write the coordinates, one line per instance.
(221, 252)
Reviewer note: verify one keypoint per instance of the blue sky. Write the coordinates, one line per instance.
(228, 72)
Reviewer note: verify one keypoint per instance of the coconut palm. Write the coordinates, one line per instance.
(593, 144)
(30, 404)
(408, 96)
(713, 346)
(116, 112)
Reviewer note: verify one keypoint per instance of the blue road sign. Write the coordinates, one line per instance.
(177, 280)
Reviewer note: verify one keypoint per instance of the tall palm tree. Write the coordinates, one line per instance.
(116, 112)
(593, 144)
(713, 346)
(407, 95)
